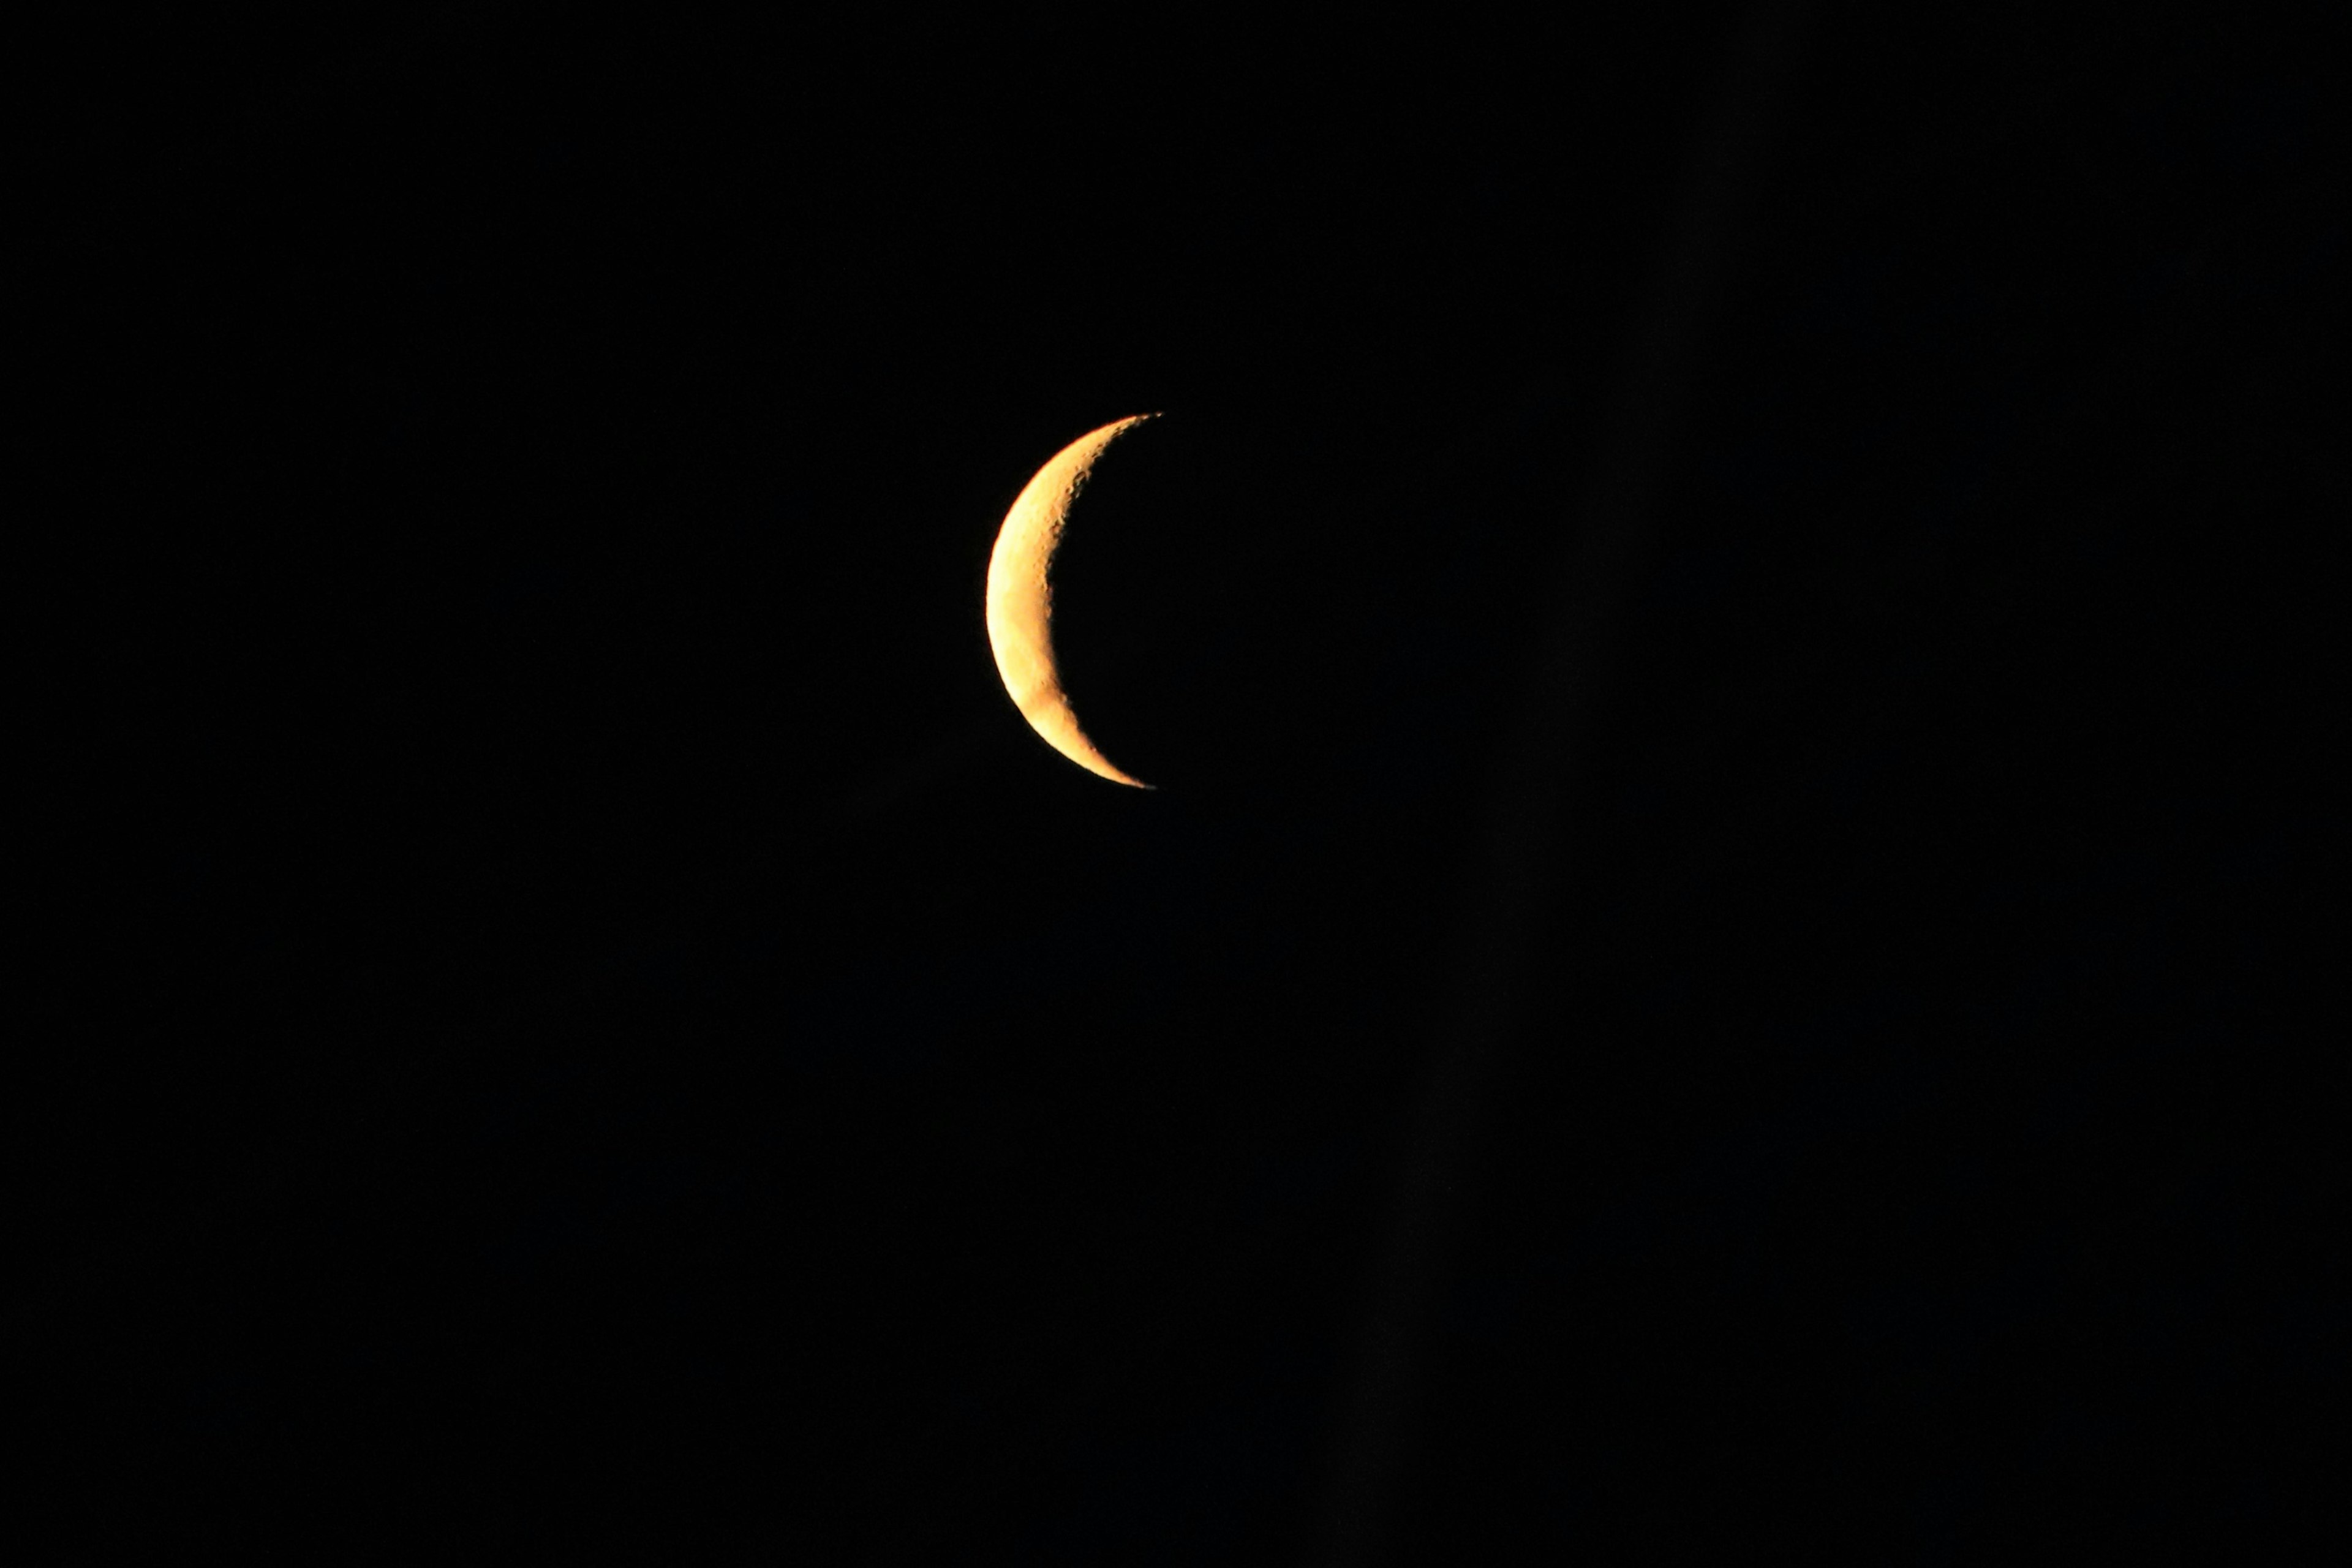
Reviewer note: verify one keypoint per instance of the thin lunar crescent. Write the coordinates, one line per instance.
(1020, 598)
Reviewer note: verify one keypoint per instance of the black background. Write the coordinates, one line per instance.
(583, 1016)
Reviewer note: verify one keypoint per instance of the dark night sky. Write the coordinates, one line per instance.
(585, 1016)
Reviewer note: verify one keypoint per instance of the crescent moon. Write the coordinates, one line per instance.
(1020, 598)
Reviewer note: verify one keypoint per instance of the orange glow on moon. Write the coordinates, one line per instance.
(1020, 598)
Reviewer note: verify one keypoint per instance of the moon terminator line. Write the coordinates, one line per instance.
(1020, 601)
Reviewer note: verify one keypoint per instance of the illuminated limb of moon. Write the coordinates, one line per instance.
(1020, 598)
